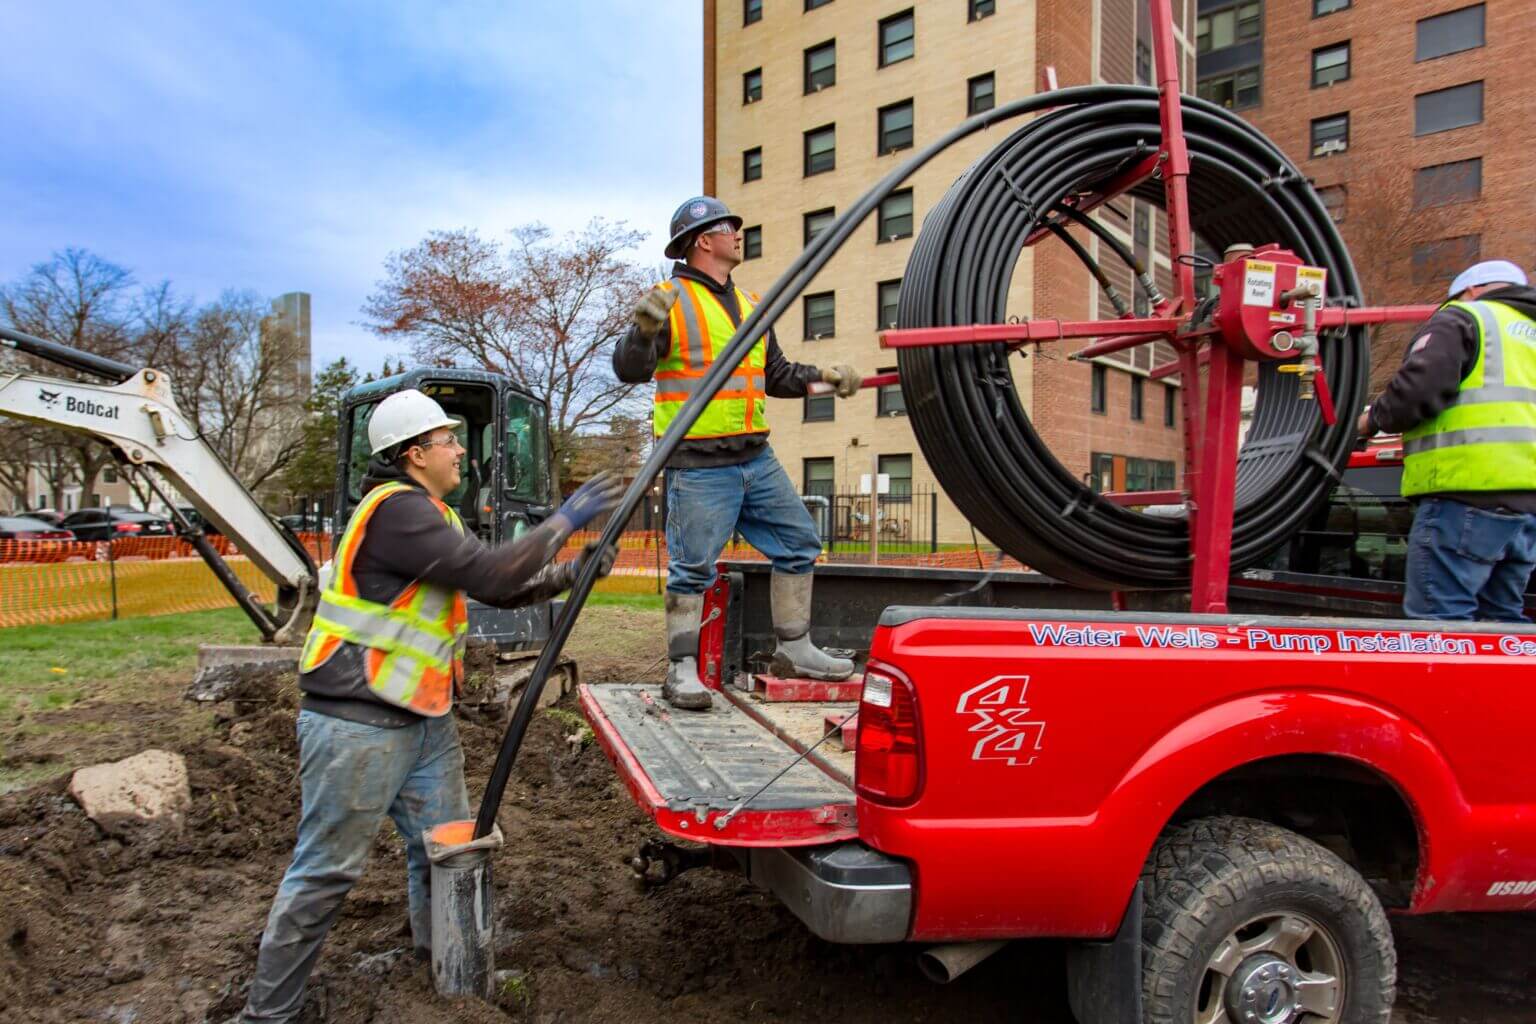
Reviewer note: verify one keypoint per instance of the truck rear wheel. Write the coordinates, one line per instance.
(1248, 923)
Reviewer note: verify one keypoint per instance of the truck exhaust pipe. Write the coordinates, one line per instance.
(943, 964)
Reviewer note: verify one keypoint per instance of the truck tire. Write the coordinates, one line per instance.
(1248, 923)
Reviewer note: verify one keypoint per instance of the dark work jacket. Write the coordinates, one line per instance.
(407, 540)
(1438, 359)
(636, 355)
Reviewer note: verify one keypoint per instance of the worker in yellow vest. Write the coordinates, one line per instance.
(1465, 402)
(724, 478)
(379, 672)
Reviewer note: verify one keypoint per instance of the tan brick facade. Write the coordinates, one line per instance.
(1380, 220)
(1014, 44)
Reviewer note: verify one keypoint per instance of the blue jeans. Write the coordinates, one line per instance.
(756, 499)
(352, 775)
(1467, 563)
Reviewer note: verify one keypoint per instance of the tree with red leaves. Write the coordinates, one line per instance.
(545, 311)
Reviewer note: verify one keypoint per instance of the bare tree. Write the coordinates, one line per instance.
(233, 375)
(545, 311)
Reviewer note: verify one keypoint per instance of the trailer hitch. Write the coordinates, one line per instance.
(657, 863)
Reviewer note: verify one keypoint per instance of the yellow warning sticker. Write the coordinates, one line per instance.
(1318, 274)
(1259, 284)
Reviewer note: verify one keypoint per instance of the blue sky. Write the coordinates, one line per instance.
(284, 146)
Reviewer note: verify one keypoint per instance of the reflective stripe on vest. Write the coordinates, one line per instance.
(1485, 440)
(415, 644)
(701, 327)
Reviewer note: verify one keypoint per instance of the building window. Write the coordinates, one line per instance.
(1441, 260)
(752, 243)
(1138, 396)
(1330, 64)
(1444, 184)
(752, 164)
(820, 316)
(1224, 28)
(1098, 397)
(819, 478)
(899, 469)
(1322, 7)
(982, 9)
(1330, 134)
(980, 94)
(1143, 62)
(1236, 91)
(811, 5)
(1444, 109)
(820, 150)
(896, 216)
(752, 86)
(818, 221)
(820, 408)
(889, 401)
(1334, 197)
(895, 127)
(109, 475)
(887, 301)
(821, 66)
(897, 38)
(751, 11)
(1449, 33)
(1170, 402)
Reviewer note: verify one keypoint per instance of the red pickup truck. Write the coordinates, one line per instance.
(1221, 808)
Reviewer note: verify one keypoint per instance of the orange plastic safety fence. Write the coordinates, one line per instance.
(42, 581)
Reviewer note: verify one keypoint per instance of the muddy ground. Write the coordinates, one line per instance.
(155, 926)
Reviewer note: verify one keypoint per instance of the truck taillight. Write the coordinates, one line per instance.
(889, 769)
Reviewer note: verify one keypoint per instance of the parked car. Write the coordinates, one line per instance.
(195, 517)
(30, 527)
(306, 524)
(47, 515)
(115, 523)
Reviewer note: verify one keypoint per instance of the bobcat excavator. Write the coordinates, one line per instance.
(505, 488)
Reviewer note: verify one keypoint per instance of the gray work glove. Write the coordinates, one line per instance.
(605, 558)
(843, 377)
(652, 311)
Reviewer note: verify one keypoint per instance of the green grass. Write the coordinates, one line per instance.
(651, 601)
(55, 666)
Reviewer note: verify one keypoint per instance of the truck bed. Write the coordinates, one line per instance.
(690, 769)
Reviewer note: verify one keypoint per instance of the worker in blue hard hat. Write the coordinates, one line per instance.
(1464, 400)
(724, 478)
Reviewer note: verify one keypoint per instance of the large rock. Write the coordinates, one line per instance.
(147, 787)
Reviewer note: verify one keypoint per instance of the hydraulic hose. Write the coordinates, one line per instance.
(1082, 104)
(967, 416)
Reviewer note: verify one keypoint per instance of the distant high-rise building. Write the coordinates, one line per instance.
(288, 326)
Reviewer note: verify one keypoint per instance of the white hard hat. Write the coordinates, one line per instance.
(1487, 272)
(403, 416)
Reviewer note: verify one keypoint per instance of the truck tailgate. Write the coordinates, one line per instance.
(689, 769)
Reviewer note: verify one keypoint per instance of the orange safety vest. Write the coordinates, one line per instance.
(414, 645)
(701, 327)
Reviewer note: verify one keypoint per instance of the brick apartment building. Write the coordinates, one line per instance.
(807, 103)
(1412, 117)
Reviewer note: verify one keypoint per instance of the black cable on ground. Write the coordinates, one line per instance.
(1088, 123)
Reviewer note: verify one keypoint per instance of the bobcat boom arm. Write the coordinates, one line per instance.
(138, 418)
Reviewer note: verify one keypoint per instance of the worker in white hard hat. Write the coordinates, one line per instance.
(1464, 400)
(379, 672)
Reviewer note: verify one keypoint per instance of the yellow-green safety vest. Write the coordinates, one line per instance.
(414, 645)
(1485, 440)
(701, 327)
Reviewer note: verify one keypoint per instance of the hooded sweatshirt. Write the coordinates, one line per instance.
(1439, 359)
(407, 540)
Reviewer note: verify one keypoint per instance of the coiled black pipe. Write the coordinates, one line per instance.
(968, 418)
(778, 299)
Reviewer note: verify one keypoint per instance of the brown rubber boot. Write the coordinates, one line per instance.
(796, 657)
(682, 689)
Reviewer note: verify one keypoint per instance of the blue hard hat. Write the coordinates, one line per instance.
(698, 212)
(1487, 272)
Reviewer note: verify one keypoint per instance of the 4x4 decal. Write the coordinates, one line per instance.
(1002, 717)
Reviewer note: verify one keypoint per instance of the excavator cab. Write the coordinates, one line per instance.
(504, 487)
